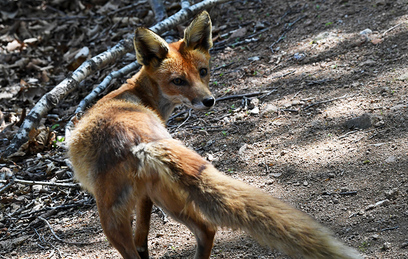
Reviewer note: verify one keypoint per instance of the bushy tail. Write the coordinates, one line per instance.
(231, 203)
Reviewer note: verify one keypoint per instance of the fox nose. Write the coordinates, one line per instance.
(209, 102)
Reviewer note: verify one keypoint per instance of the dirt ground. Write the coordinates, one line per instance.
(324, 126)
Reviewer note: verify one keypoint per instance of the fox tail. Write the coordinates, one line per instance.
(231, 203)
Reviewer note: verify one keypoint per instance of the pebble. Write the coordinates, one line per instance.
(391, 159)
(299, 56)
(259, 25)
(368, 63)
(366, 32)
(275, 174)
(210, 157)
(403, 77)
(5, 173)
(239, 33)
(392, 194)
(253, 102)
(386, 246)
(270, 108)
(254, 111)
(331, 175)
(256, 58)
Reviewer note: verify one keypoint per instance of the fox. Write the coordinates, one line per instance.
(124, 156)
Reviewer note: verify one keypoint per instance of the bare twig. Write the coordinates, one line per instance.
(77, 17)
(237, 96)
(283, 75)
(185, 4)
(327, 101)
(69, 185)
(222, 66)
(286, 30)
(189, 115)
(60, 239)
(7, 185)
(348, 133)
(392, 28)
(127, 7)
(158, 10)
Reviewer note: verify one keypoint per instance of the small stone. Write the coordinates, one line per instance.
(37, 187)
(254, 111)
(403, 77)
(368, 63)
(283, 152)
(398, 107)
(386, 246)
(391, 159)
(239, 33)
(270, 108)
(331, 175)
(392, 194)
(299, 56)
(366, 32)
(275, 175)
(270, 182)
(259, 25)
(253, 102)
(5, 173)
(375, 236)
(242, 149)
(256, 58)
(210, 157)
(305, 183)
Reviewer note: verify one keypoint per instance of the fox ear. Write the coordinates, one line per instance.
(198, 35)
(150, 48)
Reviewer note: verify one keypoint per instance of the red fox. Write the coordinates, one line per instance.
(123, 154)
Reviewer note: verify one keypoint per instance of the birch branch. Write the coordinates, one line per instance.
(185, 4)
(29, 182)
(158, 10)
(59, 92)
(97, 90)
(53, 97)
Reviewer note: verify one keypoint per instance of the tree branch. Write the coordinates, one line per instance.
(28, 182)
(52, 98)
(158, 10)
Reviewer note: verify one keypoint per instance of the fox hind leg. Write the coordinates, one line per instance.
(204, 235)
(115, 213)
(202, 230)
(143, 213)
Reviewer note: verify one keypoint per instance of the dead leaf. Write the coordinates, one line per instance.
(239, 33)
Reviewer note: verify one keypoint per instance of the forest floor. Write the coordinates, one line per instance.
(326, 129)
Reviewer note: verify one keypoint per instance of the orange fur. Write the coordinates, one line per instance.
(123, 155)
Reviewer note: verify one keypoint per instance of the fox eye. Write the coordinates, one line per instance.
(203, 72)
(178, 81)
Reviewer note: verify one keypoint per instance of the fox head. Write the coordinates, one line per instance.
(180, 70)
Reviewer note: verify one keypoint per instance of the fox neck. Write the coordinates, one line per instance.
(145, 90)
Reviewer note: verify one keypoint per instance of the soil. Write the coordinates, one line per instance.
(325, 128)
